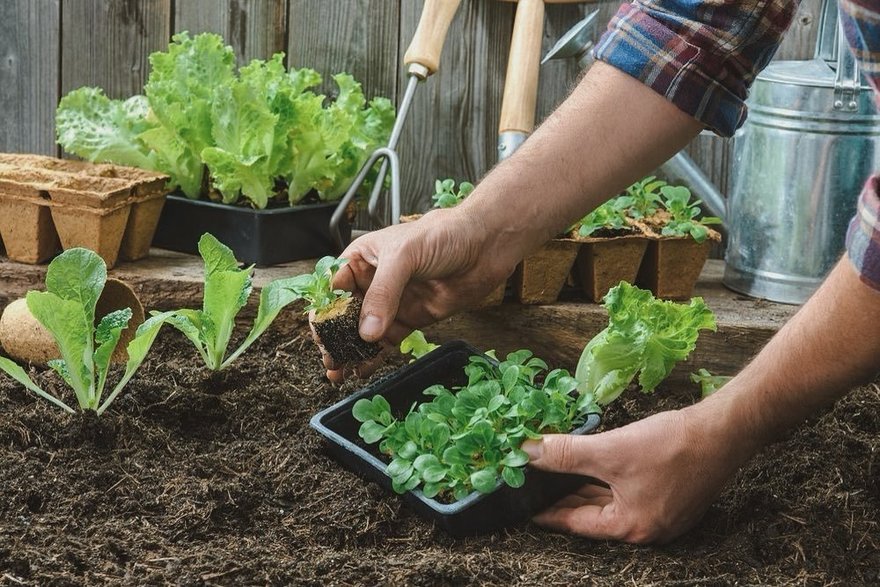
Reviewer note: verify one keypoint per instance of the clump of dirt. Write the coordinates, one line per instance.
(199, 478)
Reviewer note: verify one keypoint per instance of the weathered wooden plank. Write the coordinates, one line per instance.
(800, 40)
(108, 43)
(453, 125)
(256, 29)
(28, 75)
(356, 36)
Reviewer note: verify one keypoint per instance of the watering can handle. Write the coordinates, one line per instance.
(848, 81)
(423, 54)
(521, 83)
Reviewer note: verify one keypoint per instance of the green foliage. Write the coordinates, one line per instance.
(469, 438)
(416, 345)
(611, 215)
(709, 383)
(645, 197)
(317, 287)
(446, 195)
(227, 289)
(74, 282)
(645, 336)
(683, 213)
(251, 130)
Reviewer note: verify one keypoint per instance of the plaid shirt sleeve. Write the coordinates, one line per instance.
(861, 25)
(702, 56)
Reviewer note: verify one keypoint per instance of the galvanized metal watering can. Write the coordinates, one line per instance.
(811, 140)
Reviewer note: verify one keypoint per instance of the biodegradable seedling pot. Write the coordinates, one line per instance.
(672, 265)
(95, 229)
(335, 331)
(602, 263)
(539, 278)
(141, 227)
(25, 340)
(477, 513)
(264, 237)
(27, 231)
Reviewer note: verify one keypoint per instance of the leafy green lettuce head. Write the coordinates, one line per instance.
(645, 336)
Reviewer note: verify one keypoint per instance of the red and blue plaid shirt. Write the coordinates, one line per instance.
(703, 56)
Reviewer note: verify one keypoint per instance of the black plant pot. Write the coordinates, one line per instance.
(262, 237)
(477, 513)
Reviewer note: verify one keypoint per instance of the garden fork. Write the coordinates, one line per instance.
(422, 59)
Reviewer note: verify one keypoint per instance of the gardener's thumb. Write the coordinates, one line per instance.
(567, 453)
(382, 298)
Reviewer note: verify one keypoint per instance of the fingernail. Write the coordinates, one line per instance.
(533, 448)
(371, 327)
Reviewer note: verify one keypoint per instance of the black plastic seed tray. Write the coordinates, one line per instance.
(476, 514)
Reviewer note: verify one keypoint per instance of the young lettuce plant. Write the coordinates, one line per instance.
(645, 196)
(468, 439)
(334, 315)
(227, 289)
(709, 383)
(644, 336)
(446, 196)
(683, 214)
(612, 215)
(416, 345)
(74, 282)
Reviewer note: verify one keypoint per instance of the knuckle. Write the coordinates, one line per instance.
(562, 447)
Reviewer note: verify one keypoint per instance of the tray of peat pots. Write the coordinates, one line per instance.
(47, 204)
(448, 195)
(258, 158)
(679, 242)
(446, 430)
(612, 246)
(442, 484)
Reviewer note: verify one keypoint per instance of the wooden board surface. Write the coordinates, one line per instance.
(256, 29)
(555, 332)
(29, 37)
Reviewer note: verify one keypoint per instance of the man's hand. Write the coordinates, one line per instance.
(415, 274)
(662, 473)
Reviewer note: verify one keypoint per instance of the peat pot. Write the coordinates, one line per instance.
(811, 140)
(672, 265)
(477, 513)
(539, 278)
(603, 262)
(263, 237)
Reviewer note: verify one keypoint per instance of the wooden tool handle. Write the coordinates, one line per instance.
(427, 43)
(521, 83)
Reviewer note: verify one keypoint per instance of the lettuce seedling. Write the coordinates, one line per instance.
(74, 282)
(334, 314)
(612, 215)
(645, 195)
(709, 383)
(683, 214)
(469, 438)
(227, 289)
(644, 336)
(416, 345)
(446, 196)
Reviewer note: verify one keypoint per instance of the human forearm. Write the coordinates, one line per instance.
(611, 131)
(830, 346)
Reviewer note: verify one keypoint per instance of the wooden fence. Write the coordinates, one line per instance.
(49, 47)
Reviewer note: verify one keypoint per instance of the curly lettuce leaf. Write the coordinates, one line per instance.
(644, 336)
(98, 129)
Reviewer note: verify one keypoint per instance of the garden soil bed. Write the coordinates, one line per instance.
(197, 479)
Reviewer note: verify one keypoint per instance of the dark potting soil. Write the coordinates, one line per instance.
(193, 478)
(339, 335)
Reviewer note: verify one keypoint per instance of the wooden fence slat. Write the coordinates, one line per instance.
(108, 43)
(452, 128)
(800, 40)
(28, 75)
(255, 28)
(356, 36)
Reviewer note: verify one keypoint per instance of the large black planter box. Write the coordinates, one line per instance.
(263, 237)
(476, 514)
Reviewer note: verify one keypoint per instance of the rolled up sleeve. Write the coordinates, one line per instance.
(702, 56)
(863, 236)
